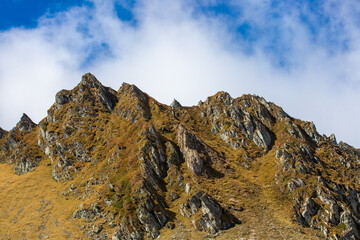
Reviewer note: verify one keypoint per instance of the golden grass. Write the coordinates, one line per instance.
(31, 206)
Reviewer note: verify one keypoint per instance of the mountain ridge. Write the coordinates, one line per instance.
(140, 169)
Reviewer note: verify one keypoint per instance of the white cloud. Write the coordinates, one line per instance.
(172, 52)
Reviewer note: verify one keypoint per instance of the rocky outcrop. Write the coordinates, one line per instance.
(294, 184)
(24, 163)
(175, 104)
(11, 143)
(310, 129)
(25, 124)
(24, 155)
(127, 230)
(213, 218)
(194, 150)
(86, 95)
(134, 104)
(240, 126)
(106, 95)
(90, 213)
(134, 161)
(75, 114)
(152, 216)
(351, 226)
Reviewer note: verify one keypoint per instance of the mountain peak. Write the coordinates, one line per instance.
(133, 91)
(132, 166)
(175, 104)
(90, 81)
(25, 123)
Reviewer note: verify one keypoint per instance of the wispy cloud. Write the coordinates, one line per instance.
(302, 56)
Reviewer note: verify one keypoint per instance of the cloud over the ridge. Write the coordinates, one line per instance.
(304, 60)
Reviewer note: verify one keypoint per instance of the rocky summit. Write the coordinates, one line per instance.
(106, 164)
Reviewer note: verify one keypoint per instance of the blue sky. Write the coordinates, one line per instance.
(302, 55)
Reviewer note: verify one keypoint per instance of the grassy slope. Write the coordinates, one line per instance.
(32, 205)
(32, 208)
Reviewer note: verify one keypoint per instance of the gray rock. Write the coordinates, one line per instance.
(311, 131)
(10, 143)
(175, 104)
(151, 216)
(89, 215)
(262, 137)
(62, 97)
(139, 103)
(106, 95)
(332, 139)
(295, 183)
(27, 164)
(225, 98)
(97, 228)
(213, 217)
(352, 226)
(174, 196)
(25, 124)
(310, 208)
(128, 230)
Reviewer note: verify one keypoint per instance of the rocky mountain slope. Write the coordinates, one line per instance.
(106, 164)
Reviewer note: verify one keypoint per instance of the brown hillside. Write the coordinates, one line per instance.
(106, 164)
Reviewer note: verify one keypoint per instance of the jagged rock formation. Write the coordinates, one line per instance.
(213, 218)
(139, 169)
(175, 104)
(20, 146)
(235, 124)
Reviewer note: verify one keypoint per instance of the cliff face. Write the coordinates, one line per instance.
(132, 168)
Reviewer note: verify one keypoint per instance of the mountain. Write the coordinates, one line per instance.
(106, 164)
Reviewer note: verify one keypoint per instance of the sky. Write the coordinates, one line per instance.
(302, 55)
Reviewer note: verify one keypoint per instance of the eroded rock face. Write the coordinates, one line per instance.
(74, 115)
(295, 183)
(193, 150)
(152, 216)
(18, 152)
(213, 218)
(240, 125)
(134, 104)
(25, 124)
(107, 96)
(24, 163)
(175, 104)
(127, 230)
(352, 225)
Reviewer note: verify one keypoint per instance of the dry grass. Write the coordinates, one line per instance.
(31, 207)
